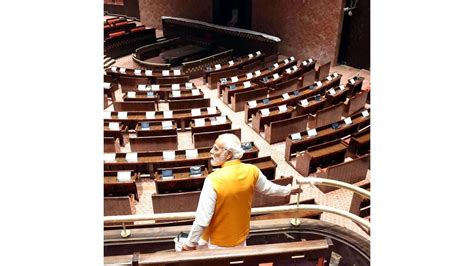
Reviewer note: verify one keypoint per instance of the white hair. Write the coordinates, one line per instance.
(232, 143)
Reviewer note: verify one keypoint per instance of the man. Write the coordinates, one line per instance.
(223, 212)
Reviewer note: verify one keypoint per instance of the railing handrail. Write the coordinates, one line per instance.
(255, 211)
(333, 183)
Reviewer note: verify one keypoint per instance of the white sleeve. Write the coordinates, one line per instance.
(204, 212)
(271, 189)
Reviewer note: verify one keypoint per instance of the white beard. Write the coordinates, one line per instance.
(218, 161)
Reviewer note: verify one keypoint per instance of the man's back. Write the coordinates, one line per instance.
(234, 185)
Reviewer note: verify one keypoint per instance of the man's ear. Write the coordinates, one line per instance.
(229, 155)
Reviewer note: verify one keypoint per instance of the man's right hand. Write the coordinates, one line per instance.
(296, 190)
(187, 248)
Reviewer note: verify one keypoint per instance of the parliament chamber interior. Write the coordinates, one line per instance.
(290, 79)
(295, 90)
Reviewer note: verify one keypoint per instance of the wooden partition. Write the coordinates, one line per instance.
(326, 116)
(323, 71)
(321, 155)
(278, 130)
(111, 145)
(189, 104)
(308, 78)
(119, 206)
(356, 103)
(361, 206)
(350, 172)
(158, 143)
(207, 139)
(134, 106)
(285, 86)
(325, 133)
(175, 202)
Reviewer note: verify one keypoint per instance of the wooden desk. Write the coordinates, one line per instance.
(259, 121)
(128, 83)
(206, 139)
(111, 145)
(210, 124)
(189, 104)
(215, 74)
(356, 86)
(155, 74)
(326, 116)
(263, 72)
(149, 162)
(181, 181)
(321, 155)
(284, 86)
(239, 99)
(113, 187)
(156, 129)
(155, 143)
(116, 134)
(163, 90)
(182, 117)
(266, 164)
(228, 92)
(313, 105)
(277, 131)
(360, 143)
(339, 97)
(186, 94)
(325, 133)
(135, 106)
(142, 96)
(292, 100)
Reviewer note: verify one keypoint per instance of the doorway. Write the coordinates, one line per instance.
(232, 13)
(354, 49)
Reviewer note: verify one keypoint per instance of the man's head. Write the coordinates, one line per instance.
(227, 147)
